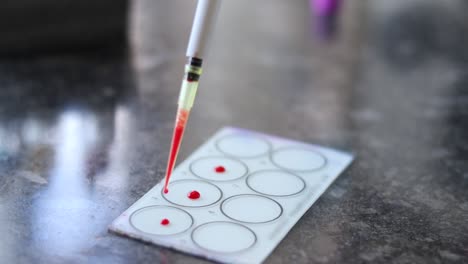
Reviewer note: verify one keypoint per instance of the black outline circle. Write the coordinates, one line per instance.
(272, 170)
(223, 252)
(153, 206)
(325, 160)
(246, 222)
(270, 146)
(189, 206)
(219, 157)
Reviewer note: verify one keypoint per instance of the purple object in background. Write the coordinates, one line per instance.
(325, 13)
(325, 7)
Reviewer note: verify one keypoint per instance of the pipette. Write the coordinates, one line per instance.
(203, 24)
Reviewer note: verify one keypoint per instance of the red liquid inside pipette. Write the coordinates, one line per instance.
(182, 116)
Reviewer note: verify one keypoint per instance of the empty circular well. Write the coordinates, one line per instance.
(223, 237)
(251, 208)
(149, 220)
(275, 183)
(179, 192)
(218, 168)
(243, 146)
(297, 159)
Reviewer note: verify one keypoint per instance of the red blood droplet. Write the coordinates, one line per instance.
(165, 221)
(220, 169)
(166, 190)
(193, 195)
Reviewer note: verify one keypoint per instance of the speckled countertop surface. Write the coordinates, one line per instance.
(83, 137)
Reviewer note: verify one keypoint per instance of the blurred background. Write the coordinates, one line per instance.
(31, 27)
(88, 93)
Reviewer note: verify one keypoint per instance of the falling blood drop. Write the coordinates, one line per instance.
(193, 195)
(166, 190)
(220, 169)
(165, 221)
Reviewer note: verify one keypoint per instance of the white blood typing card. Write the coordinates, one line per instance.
(235, 198)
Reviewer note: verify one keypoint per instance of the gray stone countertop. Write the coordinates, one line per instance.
(83, 137)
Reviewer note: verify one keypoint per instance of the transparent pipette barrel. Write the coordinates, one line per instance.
(187, 95)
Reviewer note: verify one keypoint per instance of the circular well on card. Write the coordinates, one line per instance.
(298, 159)
(223, 237)
(179, 190)
(275, 183)
(243, 146)
(206, 168)
(251, 208)
(148, 220)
